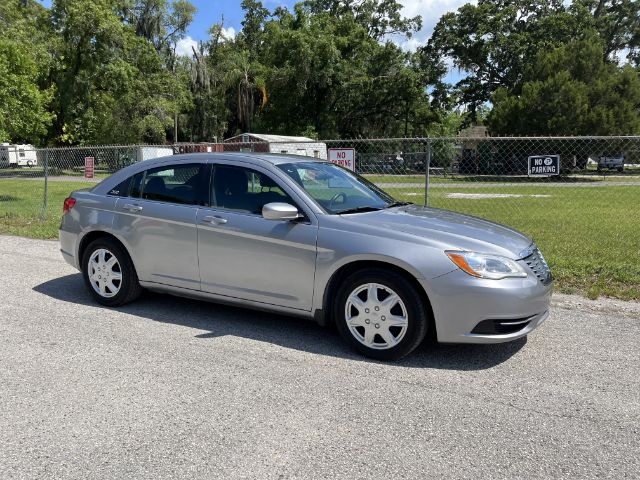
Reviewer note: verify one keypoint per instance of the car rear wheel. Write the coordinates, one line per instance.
(109, 273)
(380, 314)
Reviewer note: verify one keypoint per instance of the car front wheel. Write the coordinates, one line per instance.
(109, 273)
(380, 314)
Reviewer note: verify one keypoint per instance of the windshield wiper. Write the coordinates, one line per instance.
(359, 210)
(398, 204)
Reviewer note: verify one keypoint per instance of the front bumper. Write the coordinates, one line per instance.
(461, 302)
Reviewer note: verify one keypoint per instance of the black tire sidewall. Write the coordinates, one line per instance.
(129, 277)
(416, 311)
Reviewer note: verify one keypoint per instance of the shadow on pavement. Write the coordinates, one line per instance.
(218, 320)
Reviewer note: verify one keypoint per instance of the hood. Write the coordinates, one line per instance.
(449, 229)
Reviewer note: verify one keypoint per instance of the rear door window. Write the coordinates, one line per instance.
(180, 184)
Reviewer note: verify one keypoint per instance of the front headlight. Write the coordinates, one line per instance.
(483, 265)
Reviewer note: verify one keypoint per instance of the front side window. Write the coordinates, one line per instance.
(244, 189)
(179, 184)
(336, 189)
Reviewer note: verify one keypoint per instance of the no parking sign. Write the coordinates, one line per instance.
(89, 163)
(345, 157)
(544, 165)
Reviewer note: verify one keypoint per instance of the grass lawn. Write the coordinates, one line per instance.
(586, 177)
(38, 171)
(21, 206)
(590, 236)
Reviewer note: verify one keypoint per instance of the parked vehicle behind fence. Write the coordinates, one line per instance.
(611, 163)
(17, 156)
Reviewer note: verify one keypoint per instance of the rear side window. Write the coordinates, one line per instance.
(181, 184)
(122, 190)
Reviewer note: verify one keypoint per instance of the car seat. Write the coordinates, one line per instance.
(231, 190)
(155, 189)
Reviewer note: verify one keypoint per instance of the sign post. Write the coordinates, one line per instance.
(544, 165)
(89, 163)
(345, 157)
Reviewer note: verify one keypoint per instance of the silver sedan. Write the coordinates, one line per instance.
(305, 237)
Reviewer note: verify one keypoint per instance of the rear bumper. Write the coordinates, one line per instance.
(473, 310)
(69, 248)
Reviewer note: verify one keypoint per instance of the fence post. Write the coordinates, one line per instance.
(427, 166)
(46, 180)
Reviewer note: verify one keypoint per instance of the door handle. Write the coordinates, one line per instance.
(214, 220)
(132, 208)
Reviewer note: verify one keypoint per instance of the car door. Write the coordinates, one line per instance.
(157, 219)
(246, 256)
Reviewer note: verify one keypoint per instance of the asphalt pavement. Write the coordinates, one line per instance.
(175, 388)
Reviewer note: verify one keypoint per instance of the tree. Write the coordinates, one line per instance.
(329, 73)
(570, 90)
(380, 18)
(494, 41)
(25, 63)
(23, 105)
(161, 22)
(113, 85)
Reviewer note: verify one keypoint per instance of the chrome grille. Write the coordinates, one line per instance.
(538, 266)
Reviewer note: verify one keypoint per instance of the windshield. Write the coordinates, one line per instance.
(337, 189)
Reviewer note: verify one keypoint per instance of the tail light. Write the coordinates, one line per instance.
(69, 203)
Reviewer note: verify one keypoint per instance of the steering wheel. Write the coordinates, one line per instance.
(336, 197)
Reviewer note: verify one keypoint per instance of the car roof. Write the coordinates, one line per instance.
(255, 158)
(251, 157)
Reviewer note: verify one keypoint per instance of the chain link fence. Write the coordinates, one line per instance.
(579, 197)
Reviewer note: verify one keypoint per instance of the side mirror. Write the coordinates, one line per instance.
(280, 211)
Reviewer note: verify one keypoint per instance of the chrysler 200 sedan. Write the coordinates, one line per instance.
(305, 237)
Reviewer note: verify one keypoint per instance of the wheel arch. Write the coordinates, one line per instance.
(93, 235)
(325, 317)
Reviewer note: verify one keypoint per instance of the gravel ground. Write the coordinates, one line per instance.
(173, 388)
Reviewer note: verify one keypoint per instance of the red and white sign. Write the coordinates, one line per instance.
(345, 157)
(89, 163)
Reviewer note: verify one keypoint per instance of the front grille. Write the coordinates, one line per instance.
(539, 267)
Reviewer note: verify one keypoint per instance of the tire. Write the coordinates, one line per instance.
(116, 289)
(373, 335)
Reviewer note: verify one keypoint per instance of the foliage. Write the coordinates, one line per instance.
(25, 94)
(494, 41)
(107, 71)
(113, 85)
(329, 72)
(570, 90)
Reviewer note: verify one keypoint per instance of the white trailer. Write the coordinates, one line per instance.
(259, 142)
(147, 153)
(17, 156)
